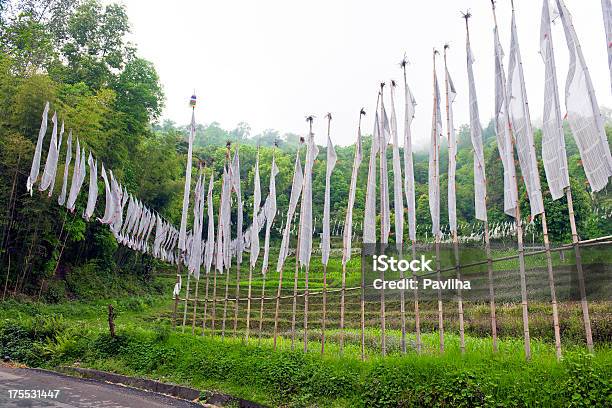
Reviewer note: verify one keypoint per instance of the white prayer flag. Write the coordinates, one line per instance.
(521, 124)
(38, 150)
(434, 161)
(331, 163)
(553, 136)
(240, 215)
(451, 94)
(409, 110)
(255, 225)
(92, 196)
(398, 198)
(385, 136)
(369, 218)
(504, 142)
(187, 188)
(306, 209)
(347, 237)
(480, 184)
(583, 114)
(270, 209)
(78, 176)
(51, 163)
(296, 190)
(210, 238)
(62, 197)
(606, 8)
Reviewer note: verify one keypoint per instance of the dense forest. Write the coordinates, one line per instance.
(74, 54)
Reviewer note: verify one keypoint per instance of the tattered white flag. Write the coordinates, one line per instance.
(92, 196)
(255, 225)
(38, 150)
(410, 104)
(583, 114)
(553, 137)
(369, 217)
(348, 222)
(451, 94)
(296, 190)
(270, 209)
(521, 124)
(434, 161)
(398, 198)
(62, 197)
(187, 188)
(306, 209)
(331, 163)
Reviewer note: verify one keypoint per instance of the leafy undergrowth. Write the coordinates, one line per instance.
(292, 378)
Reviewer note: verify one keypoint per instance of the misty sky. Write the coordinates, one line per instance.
(272, 62)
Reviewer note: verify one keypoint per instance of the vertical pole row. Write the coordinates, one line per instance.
(553, 292)
(342, 297)
(324, 309)
(491, 288)
(440, 311)
(417, 313)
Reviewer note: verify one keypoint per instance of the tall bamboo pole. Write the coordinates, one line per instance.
(581, 284)
(214, 303)
(551, 282)
(261, 306)
(342, 300)
(362, 308)
(195, 306)
(237, 296)
(383, 324)
(225, 300)
(307, 269)
(205, 303)
(417, 313)
(519, 233)
(402, 308)
(186, 301)
(248, 313)
(324, 314)
(437, 233)
(454, 230)
(466, 16)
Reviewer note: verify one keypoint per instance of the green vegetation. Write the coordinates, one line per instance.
(145, 345)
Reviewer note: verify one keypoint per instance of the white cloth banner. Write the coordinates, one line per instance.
(38, 150)
(51, 163)
(331, 163)
(270, 209)
(306, 209)
(348, 221)
(398, 198)
(92, 195)
(434, 162)
(187, 187)
(583, 114)
(521, 124)
(451, 94)
(369, 216)
(254, 238)
(553, 136)
(296, 191)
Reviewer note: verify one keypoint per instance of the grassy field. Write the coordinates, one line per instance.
(51, 335)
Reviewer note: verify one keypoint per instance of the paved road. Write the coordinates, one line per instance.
(76, 392)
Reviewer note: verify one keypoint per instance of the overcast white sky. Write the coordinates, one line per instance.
(272, 62)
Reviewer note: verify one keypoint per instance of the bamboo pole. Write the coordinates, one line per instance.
(440, 309)
(195, 306)
(551, 282)
(417, 313)
(306, 308)
(8, 271)
(402, 308)
(205, 303)
(277, 307)
(519, 233)
(248, 314)
(261, 306)
(342, 300)
(324, 309)
(383, 337)
(214, 303)
(225, 300)
(454, 231)
(362, 308)
(490, 281)
(581, 284)
(295, 287)
(186, 301)
(237, 296)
